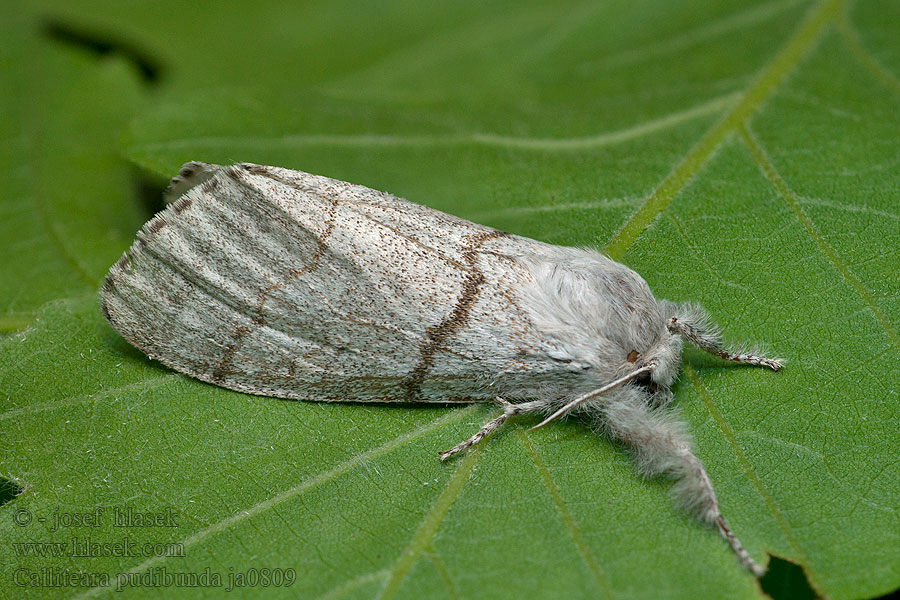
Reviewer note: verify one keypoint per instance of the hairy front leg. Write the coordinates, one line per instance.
(509, 410)
(693, 324)
(662, 446)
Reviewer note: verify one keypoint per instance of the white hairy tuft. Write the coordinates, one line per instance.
(661, 446)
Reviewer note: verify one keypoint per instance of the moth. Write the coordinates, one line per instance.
(281, 283)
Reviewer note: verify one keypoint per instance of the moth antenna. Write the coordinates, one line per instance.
(693, 323)
(594, 393)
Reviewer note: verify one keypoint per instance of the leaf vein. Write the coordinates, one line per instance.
(424, 536)
(348, 586)
(769, 78)
(144, 384)
(754, 477)
(793, 202)
(556, 494)
(288, 494)
(851, 39)
(475, 138)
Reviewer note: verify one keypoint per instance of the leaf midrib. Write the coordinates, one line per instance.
(769, 78)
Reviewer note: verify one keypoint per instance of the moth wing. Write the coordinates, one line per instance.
(282, 283)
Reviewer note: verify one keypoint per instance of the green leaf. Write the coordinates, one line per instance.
(62, 218)
(742, 156)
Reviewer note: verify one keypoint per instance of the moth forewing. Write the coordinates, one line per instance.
(284, 291)
(281, 283)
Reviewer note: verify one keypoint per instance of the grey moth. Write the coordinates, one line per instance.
(281, 283)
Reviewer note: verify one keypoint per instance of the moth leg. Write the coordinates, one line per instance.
(693, 323)
(509, 410)
(662, 446)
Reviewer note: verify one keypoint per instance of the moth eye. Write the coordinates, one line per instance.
(632, 356)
